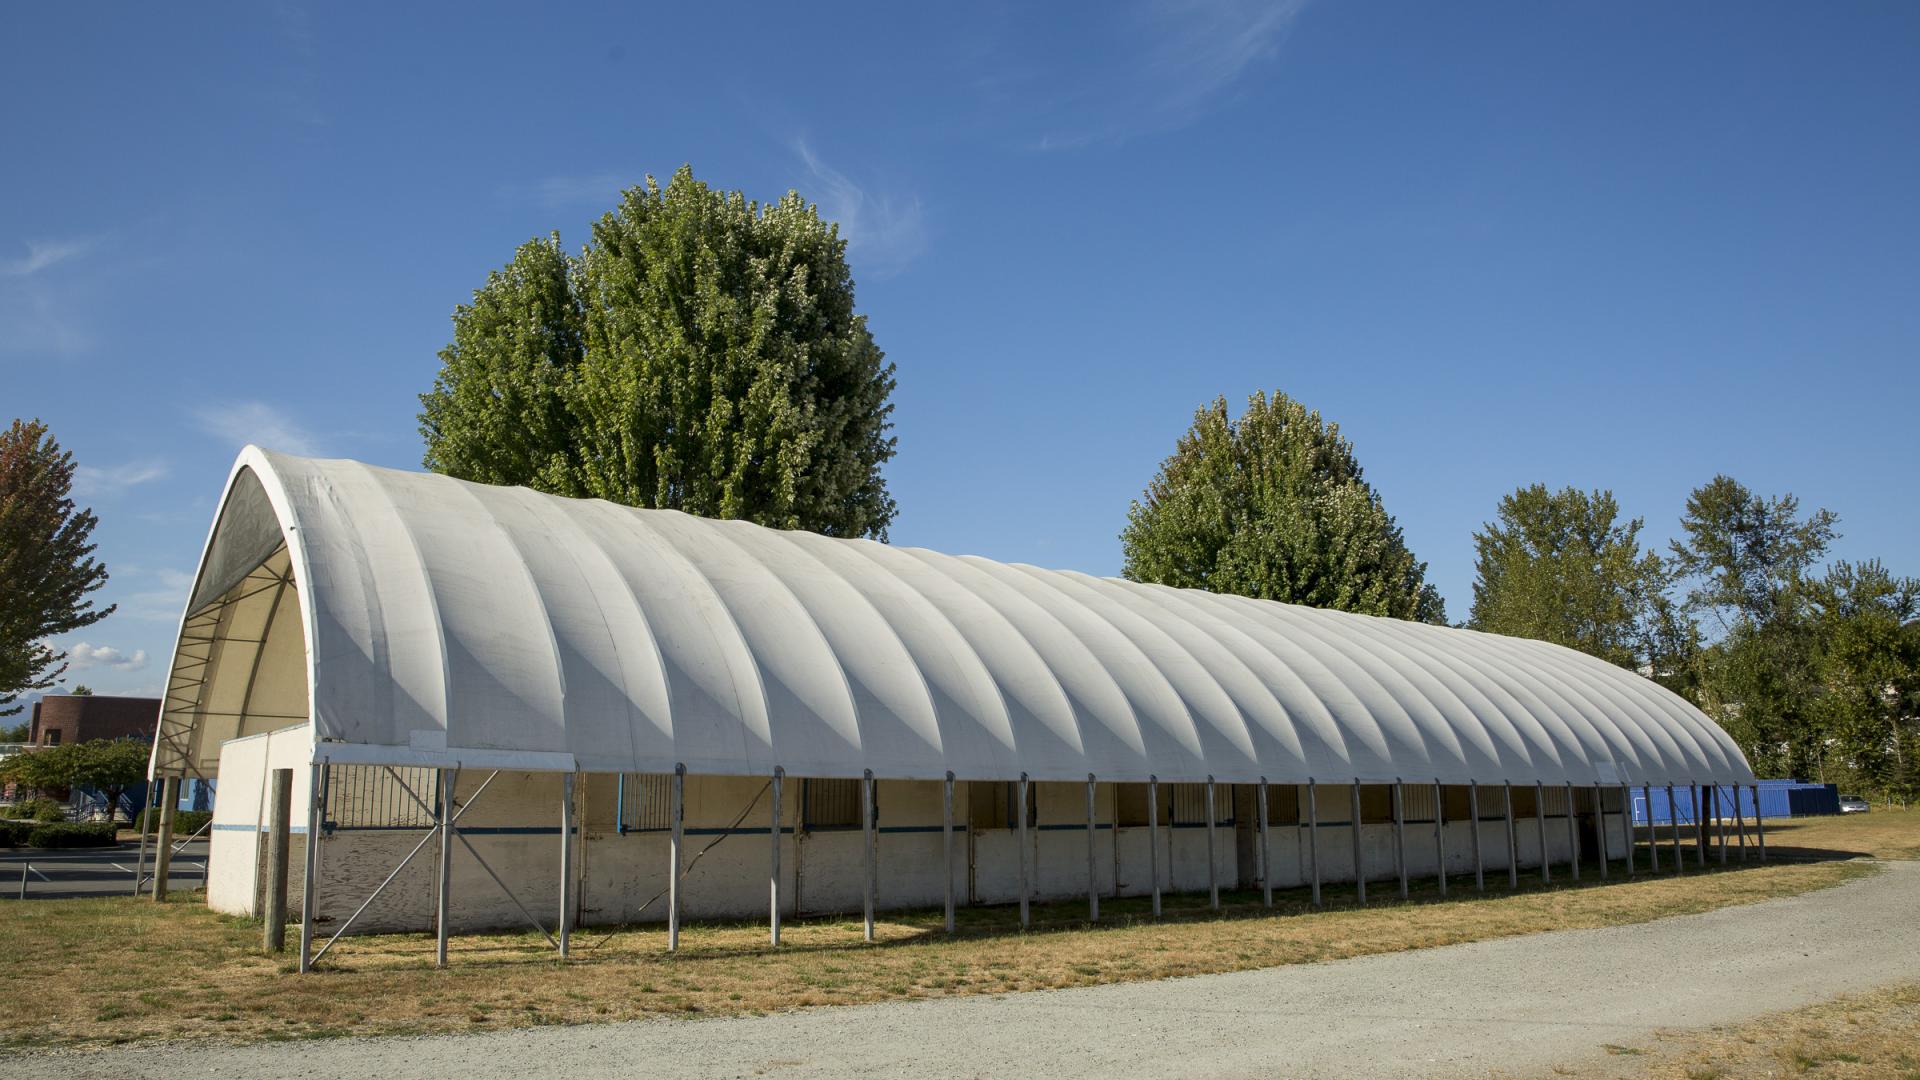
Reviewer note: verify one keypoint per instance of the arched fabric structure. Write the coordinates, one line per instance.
(422, 620)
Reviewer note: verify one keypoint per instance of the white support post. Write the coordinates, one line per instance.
(677, 823)
(1513, 842)
(1359, 853)
(566, 865)
(773, 861)
(1093, 846)
(1153, 839)
(1600, 826)
(1626, 823)
(1213, 873)
(1313, 838)
(1759, 831)
(1479, 865)
(946, 847)
(1440, 832)
(1266, 848)
(1573, 835)
(1020, 815)
(443, 898)
(869, 819)
(1400, 834)
(310, 887)
(1540, 826)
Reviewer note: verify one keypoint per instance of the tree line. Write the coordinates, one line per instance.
(703, 352)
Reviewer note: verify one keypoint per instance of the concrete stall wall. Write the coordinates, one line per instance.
(622, 874)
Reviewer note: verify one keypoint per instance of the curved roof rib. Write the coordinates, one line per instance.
(454, 623)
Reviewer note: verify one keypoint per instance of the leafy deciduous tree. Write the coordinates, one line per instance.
(702, 353)
(47, 567)
(1273, 505)
(1562, 567)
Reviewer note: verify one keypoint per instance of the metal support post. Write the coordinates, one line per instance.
(1153, 839)
(1359, 854)
(1440, 832)
(1600, 826)
(1513, 842)
(1573, 836)
(310, 885)
(1400, 834)
(1540, 823)
(1479, 866)
(1759, 831)
(566, 865)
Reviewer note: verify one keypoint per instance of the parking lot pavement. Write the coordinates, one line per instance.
(76, 872)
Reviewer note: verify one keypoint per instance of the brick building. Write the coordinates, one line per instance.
(63, 719)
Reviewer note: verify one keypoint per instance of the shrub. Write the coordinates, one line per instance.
(14, 833)
(72, 834)
(185, 822)
(38, 810)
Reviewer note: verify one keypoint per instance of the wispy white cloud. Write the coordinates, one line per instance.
(37, 308)
(90, 481)
(1180, 58)
(884, 232)
(242, 422)
(163, 602)
(82, 656)
(42, 254)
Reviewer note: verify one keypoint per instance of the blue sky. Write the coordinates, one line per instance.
(1610, 245)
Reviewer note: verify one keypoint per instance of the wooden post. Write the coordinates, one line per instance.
(566, 865)
(1213, 874)
(1359, 854)
(1600, 826)
(279, 829)
(946, 847)
(1400, 835)
(677, 825)
(869, 819)
(1573, 835)
(1513, 842)
(1266, 848)
(1153, 839)
(1020, 815)
(1440, 831)
(163, 851)
(1313, 838)
(443, 899)
(1540, 824)
(773, 861)
(1093, 845)
(1479, 865)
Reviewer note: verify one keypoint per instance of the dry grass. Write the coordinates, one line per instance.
(117, 970)
(1882, 834)
(1872, 1034)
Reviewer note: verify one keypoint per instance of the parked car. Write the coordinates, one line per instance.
(1853, 804)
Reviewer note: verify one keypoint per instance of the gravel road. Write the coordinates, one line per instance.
(1515, 1005)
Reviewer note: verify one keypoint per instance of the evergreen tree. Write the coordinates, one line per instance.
(1562, 567)
(702, 353)
(1869, 651)
(47, 567)
(1274, 505)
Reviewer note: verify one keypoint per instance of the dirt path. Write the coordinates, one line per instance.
(1514, 1005)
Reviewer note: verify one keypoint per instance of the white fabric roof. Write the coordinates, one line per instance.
(439, 621)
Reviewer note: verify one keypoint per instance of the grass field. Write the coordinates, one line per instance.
(117, 970)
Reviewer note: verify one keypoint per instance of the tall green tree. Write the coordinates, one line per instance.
(47, 568)
(1868, 629)
(1747, 557)
(1562, 566)
(1274, 505)
(703, 352)
(110, 766)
